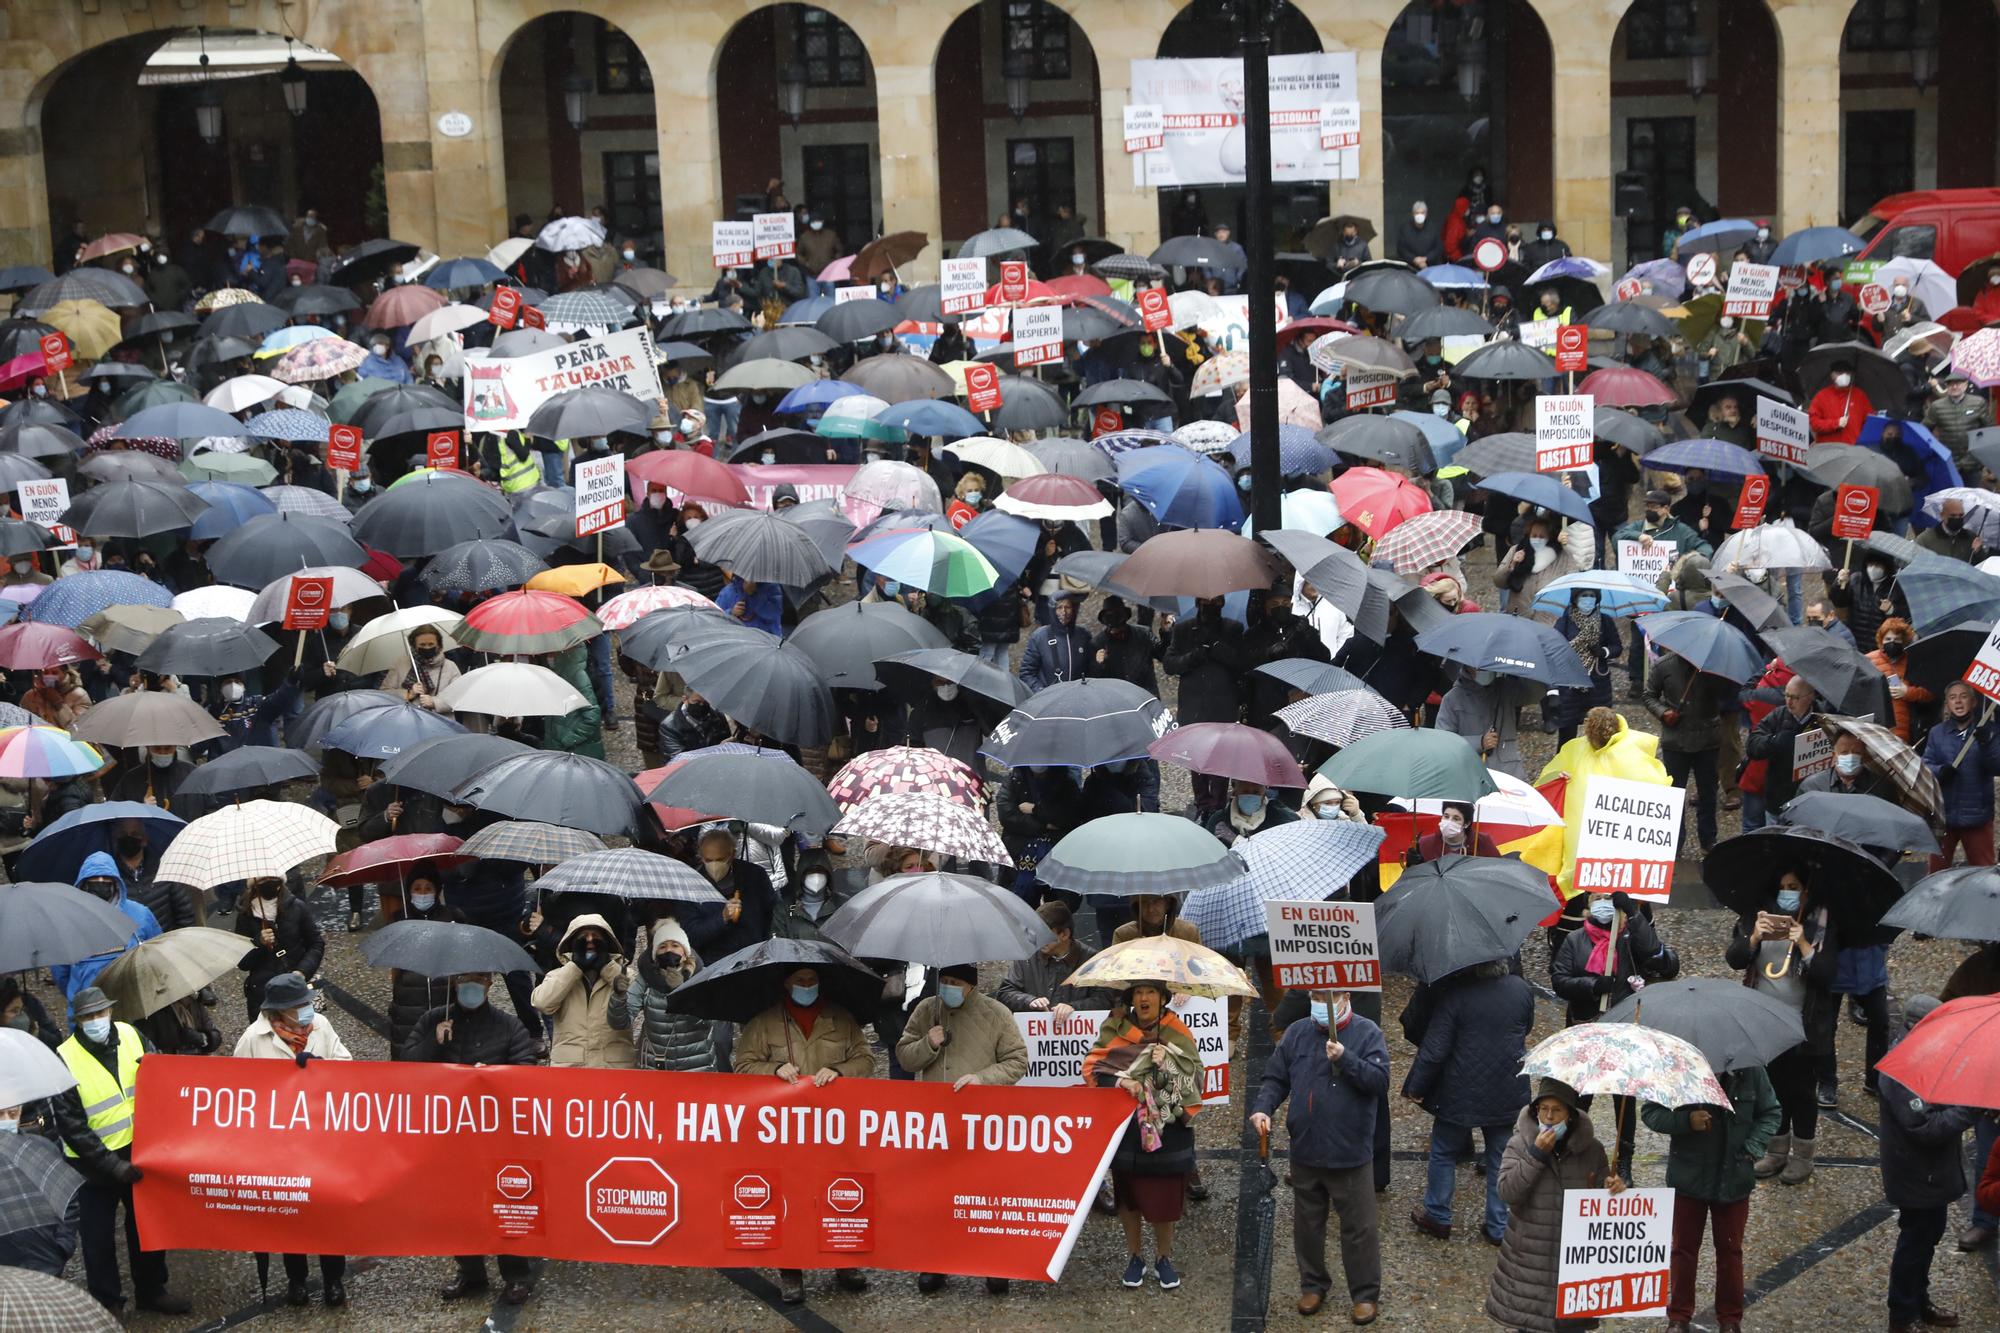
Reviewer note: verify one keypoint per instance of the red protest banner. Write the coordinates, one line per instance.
(343, 448)
(1572, 349)
(532, 318)
(56, 353)
(602, 1165)
(1153, 310)
(441, 448)
(506, 307)
(1106, 420)
(1854, 512)
(1750, 505)
(1013, 281)
(308, 601)
(982, 388)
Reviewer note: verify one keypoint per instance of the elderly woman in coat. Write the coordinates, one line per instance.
(586, 996)
(681, 1043)
(1553, 1149)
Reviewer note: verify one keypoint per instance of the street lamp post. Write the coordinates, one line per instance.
(1259, 17)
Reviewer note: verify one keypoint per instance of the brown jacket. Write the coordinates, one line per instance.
(593, 1021)
(1180, 928)
(772, 1039)
(984, 1041)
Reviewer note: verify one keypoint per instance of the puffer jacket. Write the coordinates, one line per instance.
(481, 1036)
(593, 1022)
(299, 943)
(983, 1041)
(1521, 1294)
(1715, 1164)
(582, 731)
(1965, 771)
(1470, 1047)
(681, 1043)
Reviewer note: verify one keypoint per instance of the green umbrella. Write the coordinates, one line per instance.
(938, 562)
(213, 465)
(860, 428)
(352, 395)
(1422, 764)
(1133, 854)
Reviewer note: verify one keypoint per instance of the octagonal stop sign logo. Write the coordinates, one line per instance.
(515, 1182)
(632, 1201)
(752, 1191)
(845, 1195)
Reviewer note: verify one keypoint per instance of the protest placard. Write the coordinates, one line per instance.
(1626, 840)
(776, 235)
(1369, 388)
(1752, 288)
(1984, 673)
(961, 285)
(1565, 431)
(1572, 349)
(1750, 503)
(982, 387)
(343, 447)
(1324, 945)
(501, 393)
(733, 244)
(600, 494)
(441, 449)
(56, 354)
(43, 500)
(506, 307)
(1783, 433)
(1701, 270)
(308, 601)
(1056, 1047)
(1649, 560)
(1615, 1254)
(1145, 129)
(1013, 281)
(1339, 125)
(1154, 312)
(1038, 334)
(1854, 512)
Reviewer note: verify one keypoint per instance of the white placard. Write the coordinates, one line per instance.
(1056, 1049)
(43, 501)
(600, 494)
(732, 244)
(1812, 749)
(1626, 841)
(1615, 1255)
(863, 292)
(1540, 334)
(1701, 270)
(1783, 433)
(1983, 675)
(1201, 105)
(1752, 288)
(1565, 430)
(1038, 334)
(1339, 125)
(1324, 945)
(1648, 562)
(1144, 129)
(1370, 388)
(776, 235)
(961, 285)
(501, 393)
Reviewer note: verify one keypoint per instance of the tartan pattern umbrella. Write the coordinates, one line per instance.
(255, 840)
(1717, 456)
(530, 843)
(1942, 592)
(1427, 539)
(36, 1185)
(929, 821)
(1628, 1060)
(306, 501)
(1305, 860)
(627, 872)
(1886, 752)
(320, 359)
(1341, 719)
(584, 307)
(905, 769)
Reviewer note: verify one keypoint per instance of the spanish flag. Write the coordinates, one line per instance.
(1540, 845)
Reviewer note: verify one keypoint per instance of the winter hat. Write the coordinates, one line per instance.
(1562, 1092)
(91, 1000)
(966, 972)
(668, 931)
(287, 990)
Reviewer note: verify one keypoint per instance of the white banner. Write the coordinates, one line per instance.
(1056, 1049)
(862, 292)
(1565, 431)
(43, 501)
(1038, 334)
(1783, 433)
(502, 393)
(732, 244)
(1324, 945)
(776, 234)
(1626, 840)
(1201, 104)
(961, 285)
(1228, 329)
(1340, 126)
(1648, 562)
(1615, 1254)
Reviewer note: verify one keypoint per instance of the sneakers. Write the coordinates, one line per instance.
(1164, 1273)
(1135, 1272)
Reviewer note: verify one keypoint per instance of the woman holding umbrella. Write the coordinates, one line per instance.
(412, 994)
(1593, 634)
(426, 674)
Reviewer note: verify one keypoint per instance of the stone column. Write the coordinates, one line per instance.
(1809, 127)
(1580, 35)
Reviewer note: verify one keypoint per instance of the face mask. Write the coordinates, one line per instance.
(816, 225)
(41, 391)
(23, 566)
(1842, 380)
(947, 692)
(1560, 1130)
(1600, 912)
(380, 349)
(86, 556)
(1953, 525)
(162, 760)
(1833, 283)
(1328, 811)
(1876, 572)
(428, 653)
(1418, 218)
(233, 691)
(1894, 647)
(1547, 235)
(21, 1022)
(51, 681)
(953, 996)
(974, 497)
(1902, 293)
(339, 619)
(1788, 900)
(304, 1015)
(716, 869)
(1728, 321)
(1484, 677)
(97, 1029)
(1076, 258)
(1320, 1014)
(423, 902)
(1249, 803)
(1763, 233)
(1493, 219)
(627, 255)
(1539, 544)
(1452, 827)
(815, 883)
(1847, 765)
(1656, 516)
(1243, 483)
(892, 589)
(1586, 605)
(588, 958)
(471, 994)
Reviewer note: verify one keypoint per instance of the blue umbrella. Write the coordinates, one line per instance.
(807, 311)
(1507, 646)
(1114, 443)
(1444, 438)
(1179, 488)
(1618, 594)
(1007, 541)
(1569, 266)
(1454, 276)
(1813, 244)
(1707, 455)
(1942, 592)
(1940, 472)
(932, 416)
(389, 729)
(1540, 489)
(466, 272)
(59, 850)
(1707, 641)
(1300, 454)
(230, 505)
(288, 423)
(75, 598)
(283, 340)
(816, 394)
(1717, 236)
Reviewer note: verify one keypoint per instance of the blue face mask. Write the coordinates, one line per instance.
(1249, 804)
(303, 1014)
(974, 497)
(1319, 1013)
(1243, 482)
(1558, 1130)
(892, 590)
(805, 997)
(471, 994)
(97, 1029)
(1600, 911)
(1788, 900)
(953, 996)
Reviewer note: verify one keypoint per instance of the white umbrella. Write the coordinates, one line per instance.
(255, 840)
(1936, 338)
(383, 643)
(1515, 803)
(1770, 546)
(1937, 289)
(513, 689)
(1982, 510)
(446, 319)
(571, 234)
(881, 486)
(244, 392)
(997, 456)
(859, 406)
(1207, 438)
(349, 585)
(1192, 308)
(30, 1071)
(509, 252)
(217, 601)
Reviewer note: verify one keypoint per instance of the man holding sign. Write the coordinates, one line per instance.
(1332, 1066)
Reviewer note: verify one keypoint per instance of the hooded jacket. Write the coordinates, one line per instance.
(1521, 1293)
(1628, 754)
(681, 1043)
(73, 977)
(593, 1020)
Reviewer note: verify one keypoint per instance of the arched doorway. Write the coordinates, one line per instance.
(1468, 85)
(1032, 127)
(137, 135)
(797, 88)
(577, 117)
(1682, 71)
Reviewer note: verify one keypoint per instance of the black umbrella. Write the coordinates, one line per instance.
(305, 731)
(250, 320)
(659, 638)
(418, 420)
(1445, 321)
(1080, 724)
(427, 514)
(371, 412)
(1743, 871)
(1193, 252)
(683, 353)
(18, 536)
(752, 787)
(131, 465)
(1096, 321)
(898, 377)
(1868, 820)
(703, 320)
(1507, 646)
(1394, 291)
(1389, 590)
(271, 546)
(206, 648)
(134, 509)
(372, 259)
(1962, 903)
(443, 764)
(923, 304)
(1746, 391)
(1627, 428)
(491, 565)
(1115, 393)
(916, 670)
(593, 410)
(756, 544)
(1506, 361)
(249, 220)
(1750, 601)
(1629, 317)
(1875, 375)
(737, 988)
(1385, 439)
(317, 299)
(1834, 464)
(50, 925)
(1027, 404)
(444, 949)
(1854, 685)
(1936, 660)
(156, 322)
(109, 373)
(1333, 570)
(546, 523)
(785, 343)
(772, 688)
(852, 321)
(249, 768)
(786, 445)
(38, 412)
(1447, 915)
(33, 439)
(1733, 1026)
(1490, 455)
(557, 788)
(846, 641)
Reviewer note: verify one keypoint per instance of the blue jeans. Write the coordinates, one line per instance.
(1984, 1132)
(552, 467)
(995, 654)
(723, 415)
(602, 679)
(1451, 1144)
(1149, 786)
(1755, 816)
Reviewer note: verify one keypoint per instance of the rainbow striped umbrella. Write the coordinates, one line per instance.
(45, 752)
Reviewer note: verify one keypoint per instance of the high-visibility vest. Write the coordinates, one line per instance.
(518, 471)
(109, 1102)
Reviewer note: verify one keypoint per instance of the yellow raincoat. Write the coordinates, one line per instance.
(1629, 754)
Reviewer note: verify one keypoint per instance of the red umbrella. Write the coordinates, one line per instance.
(691, 475)
(388, 860)
(1375, 501)
(1076, 286)
(527, 621)
(1203, 562)
(1312, 327)
(1230, 750)
(671, 817)
(1962, 319)
(402, 306)
(1626, 386)
(111, 243)
(1948, 1059)
(30, 647)
(381, 566)
(1038, 294)
(1053, 495)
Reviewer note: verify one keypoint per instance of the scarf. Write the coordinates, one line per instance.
(803, 1016)
(1600, 947)
(1585, 641)
(293, 1034)
(1166, 1064)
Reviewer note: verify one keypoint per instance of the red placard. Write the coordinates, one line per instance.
(1572, 349)
(1750, 505)
(343, 448)
(1105, 420)
(621, 1166)
(982, 388)
(441, 448)
(533, 318)
(960, 513)
(308, 601)
(1153, 309)
(506, 307)
(1013, 281)
(1854, 512)
(56, 353)
(1629, 288)
(1874, 298)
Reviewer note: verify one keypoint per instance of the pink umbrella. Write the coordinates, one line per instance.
(24, 592)
(1230, 750)
(904, 768)
(320, 359)
(628, 608)
(1978, 358)
(1627, 386)
(402, 306)
(1295, 407)
(840, 270)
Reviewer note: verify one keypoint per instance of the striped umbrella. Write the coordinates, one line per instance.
(45, 752)
(1124, 441)
(1343, 718)
(628, 608)
(254, 840)
(1303, 861)
(628, 872)
(928, 821)
(530, 843)
(905, 768)
(940, 563)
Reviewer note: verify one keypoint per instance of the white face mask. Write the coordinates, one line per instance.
(232, 691)
(423, 902)
(23, 566)
(1727, 321)
(947, 692)
(628, 255)
(817, 225)
(1076, 258)
(1418, 218)
(717, 870)
(1539, 544)
(815, 883)
(126, 269)
(1842, 380)
(1452, 827)
(1876, 572)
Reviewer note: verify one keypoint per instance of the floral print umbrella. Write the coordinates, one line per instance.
(904, 768)
(1629, 1060)
(930, 821)
(320, 359)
